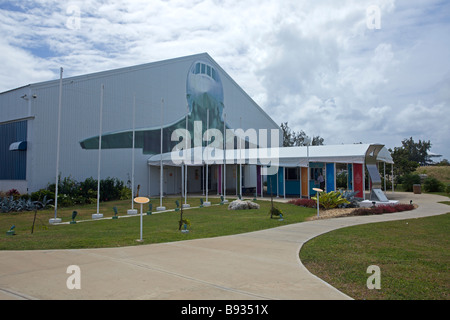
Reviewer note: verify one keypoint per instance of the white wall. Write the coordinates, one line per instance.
(19, 185)
(81, 114)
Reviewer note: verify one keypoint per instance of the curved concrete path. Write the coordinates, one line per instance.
(256, 265)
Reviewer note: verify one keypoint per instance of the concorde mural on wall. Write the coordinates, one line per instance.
(204, 93)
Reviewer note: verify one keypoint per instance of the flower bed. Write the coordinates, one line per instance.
(346, 212)
(308, 203)
(382, 209)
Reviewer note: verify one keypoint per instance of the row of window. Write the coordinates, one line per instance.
(201, 68)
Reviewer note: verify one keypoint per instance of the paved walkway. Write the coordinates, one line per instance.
(256, 265)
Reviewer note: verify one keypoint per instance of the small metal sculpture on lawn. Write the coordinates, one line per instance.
(11, 231)
(150, 208)
(74, 214)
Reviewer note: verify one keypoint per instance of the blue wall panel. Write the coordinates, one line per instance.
(349, 176)
(13, 164)
(330, 177)
(272, 184)
(280, 181)
(292, 187)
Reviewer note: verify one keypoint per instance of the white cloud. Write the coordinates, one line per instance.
(314, 64)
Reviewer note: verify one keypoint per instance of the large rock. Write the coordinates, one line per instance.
(242, 205)
(252, 205)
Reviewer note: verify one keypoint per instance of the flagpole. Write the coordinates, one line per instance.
(161, 208)
(224, 158)
(99, 215)
(240, 160)
(55, 219)
(133, 211)
(207, 203)
(132, 156)
(185, 205)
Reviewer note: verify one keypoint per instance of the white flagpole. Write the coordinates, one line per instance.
(132, 156)
(55, 219)
(185, 163)
(133, 211)
(207, 203)
(161, 208)
(224, 158)
(99, 215)
(240, 160)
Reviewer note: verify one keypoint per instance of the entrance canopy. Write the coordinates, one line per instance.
(282, 157)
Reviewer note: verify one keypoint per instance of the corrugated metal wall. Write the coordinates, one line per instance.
(13, 164)
(80, 118)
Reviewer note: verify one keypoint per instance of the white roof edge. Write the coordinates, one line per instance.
(329, 153)
(111, 71)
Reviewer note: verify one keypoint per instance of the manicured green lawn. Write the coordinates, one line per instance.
(212, 221)
(413, 257)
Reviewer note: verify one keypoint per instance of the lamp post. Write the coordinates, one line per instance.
(317, 195)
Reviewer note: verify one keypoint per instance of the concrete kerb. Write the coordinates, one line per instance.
(126, 216)
(138, 214)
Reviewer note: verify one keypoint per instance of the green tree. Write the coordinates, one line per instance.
(292, 138)
(417, 151)
(403, 165)
(409, 156)
(443, 162)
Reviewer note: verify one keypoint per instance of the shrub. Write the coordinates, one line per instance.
(350, 196)
(433, 185)
(40, 194)
(65, 200)
(382, 209)
(274, 211)
(25, 196)
(331, 199)
(9, 204)
(110, 189)
(72, 192)
(308, 203)
(404, 207)
(13, 192)
(409, 180)
(125, 193)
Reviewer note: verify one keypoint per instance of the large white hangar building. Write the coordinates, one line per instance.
(166, 92)
(151, 102)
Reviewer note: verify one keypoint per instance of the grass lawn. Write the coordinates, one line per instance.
(212, 221)
(413, 257)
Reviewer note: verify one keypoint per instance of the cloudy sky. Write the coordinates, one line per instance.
(349, 71)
